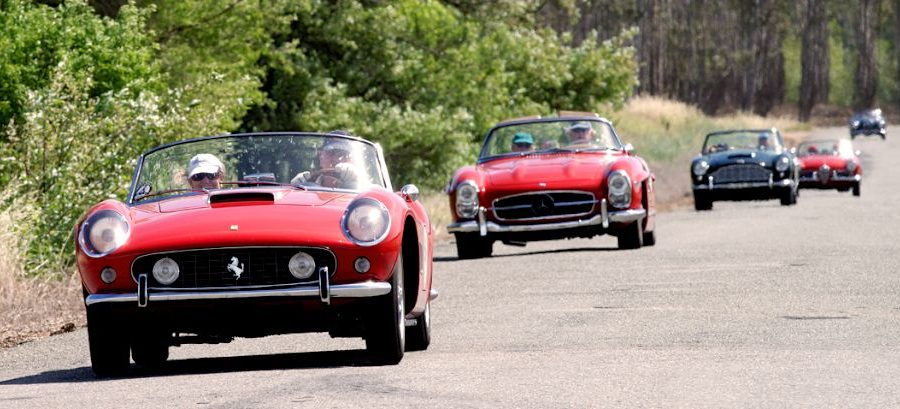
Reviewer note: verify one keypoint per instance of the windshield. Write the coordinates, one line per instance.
(841, 147)
(549, 136)
(315, 162)
(742, 140)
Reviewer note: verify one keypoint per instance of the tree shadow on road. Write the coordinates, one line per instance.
(305, 360)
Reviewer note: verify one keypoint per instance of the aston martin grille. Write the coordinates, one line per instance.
(209, 268)
(544, 205)
(741, 173)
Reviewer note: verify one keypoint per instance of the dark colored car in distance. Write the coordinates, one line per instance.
(868, 122)
(745, 164)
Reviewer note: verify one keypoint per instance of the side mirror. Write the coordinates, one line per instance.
(629, 149)
(409, 192)
(793, 150)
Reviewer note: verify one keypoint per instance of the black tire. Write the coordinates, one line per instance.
(386, 327)
(108, 343)
(632, 237)
(150, 349)
(702, 202)
(473, 245)
(789, 197)
(856, 188)
(418, 336)
(649, 238)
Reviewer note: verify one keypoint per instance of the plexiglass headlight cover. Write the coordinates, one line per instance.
(366, 222)
(700, 167)
(103, 232)
(467, 200)
(619, 185)
(782, 163)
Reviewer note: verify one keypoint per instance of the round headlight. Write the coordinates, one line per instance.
(302, 265)
(103, 232)
(467, 199)
(366, 222)
(619, 189)
(700, 167)
(165, 271)
(782, 164)
(851, 166)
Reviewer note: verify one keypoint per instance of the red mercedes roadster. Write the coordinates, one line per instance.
(251, 235)
(550, 178)
(830, 164)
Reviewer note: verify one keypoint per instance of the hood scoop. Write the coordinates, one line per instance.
(232, 198)
(742, 155)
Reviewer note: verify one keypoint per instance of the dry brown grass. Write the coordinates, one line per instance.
(31, 307)
(438, 207)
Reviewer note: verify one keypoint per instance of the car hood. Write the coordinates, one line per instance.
(816, 161)
(198, 221)
(553, 170)
(741, 156)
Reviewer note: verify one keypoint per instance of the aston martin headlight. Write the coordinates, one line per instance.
(302, 265)
(619, 185)
(366, 222)
(851, 166)
(467, 200)
(166, 271)
(700, 167)
(103, 232)
(854, 124)
(782, 163)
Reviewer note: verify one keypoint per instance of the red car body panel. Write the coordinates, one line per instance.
(839, 176)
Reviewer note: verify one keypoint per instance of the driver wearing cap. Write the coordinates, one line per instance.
(336, 168)
(580, 134)
(205, 171)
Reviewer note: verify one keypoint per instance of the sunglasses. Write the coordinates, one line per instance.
(200, 176)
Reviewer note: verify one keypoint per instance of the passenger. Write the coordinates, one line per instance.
(205, 171)
(580, 134)
(522, 142)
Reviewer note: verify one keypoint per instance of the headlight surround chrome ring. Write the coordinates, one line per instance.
(467, 199)
(851, 166)
(103, 232)
(700, 167)
(366, 222)
(782, 163)
(619, 189)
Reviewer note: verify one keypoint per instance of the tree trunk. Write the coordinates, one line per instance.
(866, 75)
(814, 58)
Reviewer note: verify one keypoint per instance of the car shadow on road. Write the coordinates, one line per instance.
(199, 366)
(444, 259)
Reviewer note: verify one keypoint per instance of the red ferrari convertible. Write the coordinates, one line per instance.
(252, 235)
(830, 164)
(550, 178)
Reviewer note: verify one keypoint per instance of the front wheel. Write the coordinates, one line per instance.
(473, 245)
(789, 197)
(419, 336)
(631, 237)
(150, 349)
(702, 202)
(856, 191)
(386, 327)
(108, 343)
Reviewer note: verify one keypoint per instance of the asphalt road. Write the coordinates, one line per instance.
(749, 305)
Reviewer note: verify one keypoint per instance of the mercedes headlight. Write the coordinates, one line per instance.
(700, 167)
(619, 185)
(851, 166)
(103, 232)
(366, 222)
(467, 200)
(782, 164)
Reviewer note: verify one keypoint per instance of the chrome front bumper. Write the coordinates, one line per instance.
(834, 178)
(744, 185)
(604, 218)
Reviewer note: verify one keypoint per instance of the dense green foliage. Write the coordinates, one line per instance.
(82, 95)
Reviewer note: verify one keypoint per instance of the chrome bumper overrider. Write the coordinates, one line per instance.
(355, 290)
(604, 218)
(744, 185)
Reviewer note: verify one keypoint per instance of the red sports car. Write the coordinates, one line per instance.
(251, 235)
(830, 164)
(550, 178)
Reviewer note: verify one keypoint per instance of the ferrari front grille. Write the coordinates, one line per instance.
(741, 174)
(544, 205)
(230, 268)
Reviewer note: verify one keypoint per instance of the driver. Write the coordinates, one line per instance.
(336, 169)
(763, 141)
(581, 134)
(205, 171)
